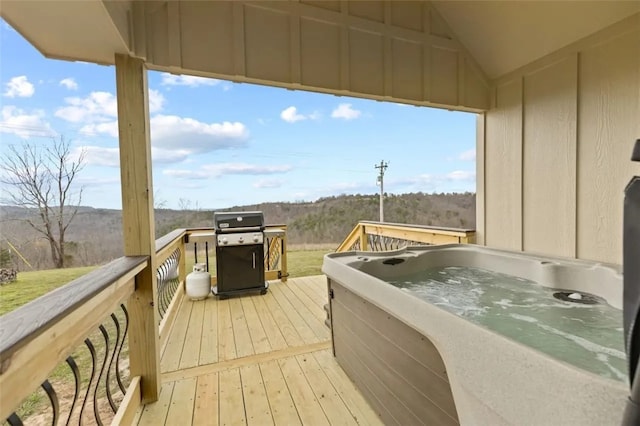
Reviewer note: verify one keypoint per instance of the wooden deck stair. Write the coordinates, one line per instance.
(255, 360)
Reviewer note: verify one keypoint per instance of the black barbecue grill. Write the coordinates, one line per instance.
(239, 253)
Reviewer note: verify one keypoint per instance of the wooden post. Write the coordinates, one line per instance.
(283, 259)
(364, 241)
(182, 264)
(138, 221)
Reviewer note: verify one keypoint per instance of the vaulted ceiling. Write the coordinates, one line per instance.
(505, 35)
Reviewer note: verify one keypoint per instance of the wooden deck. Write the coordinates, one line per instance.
(256, 360)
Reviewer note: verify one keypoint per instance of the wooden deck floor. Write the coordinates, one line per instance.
(256, 360)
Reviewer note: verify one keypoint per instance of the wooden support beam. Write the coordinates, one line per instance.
(129, 405)
(138, 221)
(364, 239)
(283, 259)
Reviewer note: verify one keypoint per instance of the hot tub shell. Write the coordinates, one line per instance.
(402, 352)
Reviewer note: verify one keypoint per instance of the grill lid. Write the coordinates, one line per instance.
(232, 221)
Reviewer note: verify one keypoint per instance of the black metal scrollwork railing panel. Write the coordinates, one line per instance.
(89, 386)
(168, 280)
(355, 246)
(382, 243)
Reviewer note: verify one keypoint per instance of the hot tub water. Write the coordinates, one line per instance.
(589, 336)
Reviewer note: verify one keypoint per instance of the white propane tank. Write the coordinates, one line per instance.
(198, 282)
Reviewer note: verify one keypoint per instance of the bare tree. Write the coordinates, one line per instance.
(42, 178)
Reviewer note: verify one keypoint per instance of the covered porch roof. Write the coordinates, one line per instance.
(438, 53)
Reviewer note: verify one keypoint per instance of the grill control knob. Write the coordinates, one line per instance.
(255, 238)
(240, 240)
(225, 241)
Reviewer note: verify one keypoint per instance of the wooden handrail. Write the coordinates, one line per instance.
(166, 244)
(351, 239)
(412, 233)
(38, 336)
(282, 273)
(437, 229)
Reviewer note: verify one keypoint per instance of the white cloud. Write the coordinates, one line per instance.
(174, 138)
(188, 135)
(164, 156)
(216, 170)
(19, 87)
(98, 155)
(17, 122)
(173, 132)
(100, 107)
(461, 175)
(291, 115)
(469, 155)
(188, 80)
(345, 112)
(110, 157)
(109, 128)
(268, 183)
(69, 83)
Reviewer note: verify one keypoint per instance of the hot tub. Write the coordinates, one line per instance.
(461, 334)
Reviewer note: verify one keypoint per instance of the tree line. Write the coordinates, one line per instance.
(44, 224)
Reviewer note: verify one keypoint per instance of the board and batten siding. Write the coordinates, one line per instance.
(554, 155)
(400, 51)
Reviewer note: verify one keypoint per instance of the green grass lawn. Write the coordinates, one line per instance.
(304, 263)
(31, 285)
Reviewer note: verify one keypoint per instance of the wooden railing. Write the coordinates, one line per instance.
(72, 343)
(177, 251)
(378, 236)
(275, 250)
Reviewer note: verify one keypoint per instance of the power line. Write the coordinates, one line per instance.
(382, 167)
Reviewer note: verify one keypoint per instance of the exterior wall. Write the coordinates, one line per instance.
(554, 156)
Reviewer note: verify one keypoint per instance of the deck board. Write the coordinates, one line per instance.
(244, 345)
(256, 360)
(205, 411)
(311, 316)
(181, 407)
(257, 406)
(193, 338)
(209, 342)
(307, 404)
(283, 410)
(307, 334)
(226, 340)
(256, 330)
(288, 330)
(271, 328)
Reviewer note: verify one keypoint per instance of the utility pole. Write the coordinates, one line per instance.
(382, 167)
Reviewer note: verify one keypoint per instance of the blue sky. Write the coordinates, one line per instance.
(217, 144)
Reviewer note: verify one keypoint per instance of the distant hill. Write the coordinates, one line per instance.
(95, 236)
(331, 219)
